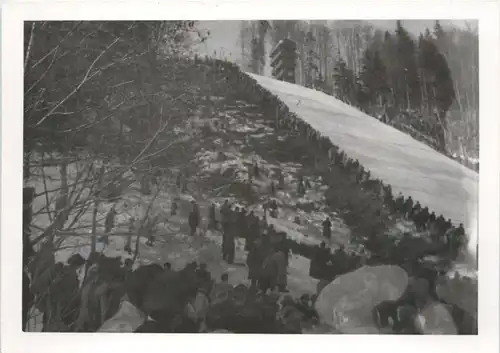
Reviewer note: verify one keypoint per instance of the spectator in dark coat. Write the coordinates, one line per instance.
(212, 221)
(432, 217)
(400, 201)
(421, 218)
(173, 208)
(256, 171)
(242, 223)
(254, 261)
(109, 224)
(319, 260)
(408, 207)
(225, 213)
(273, 188)
(416, 209)
(253, 231)
(301, 189)
(340, 261)
(178, 180)
(194, 218)
(327, 228)
(228, 241)
(185, 182)
(203, 276)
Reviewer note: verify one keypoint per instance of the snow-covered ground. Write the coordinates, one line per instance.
(231, 150)
(172, 242)
(409, 166)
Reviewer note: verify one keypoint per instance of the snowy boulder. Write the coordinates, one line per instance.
(127, 319)
(435, 319)
(346, 304)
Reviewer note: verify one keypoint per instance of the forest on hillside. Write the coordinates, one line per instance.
(425, 85)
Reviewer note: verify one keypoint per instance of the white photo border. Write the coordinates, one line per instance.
(13, 15)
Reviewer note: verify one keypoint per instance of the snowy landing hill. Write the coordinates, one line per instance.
(408, 165)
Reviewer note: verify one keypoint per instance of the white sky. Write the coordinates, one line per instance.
(225, 41)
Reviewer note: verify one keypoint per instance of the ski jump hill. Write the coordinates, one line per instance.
(409, 166)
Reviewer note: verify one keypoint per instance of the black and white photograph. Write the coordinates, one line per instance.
(259, 176)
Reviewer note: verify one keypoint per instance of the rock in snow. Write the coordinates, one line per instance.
(346, 303)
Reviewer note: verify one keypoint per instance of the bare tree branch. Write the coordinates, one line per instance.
(143, 222)
(45, 191)
(30, 43)
(84, 208)
(84, 80)
(94, 215)
(49, 231)
(57, 46)
(37, 102)
(149, 156)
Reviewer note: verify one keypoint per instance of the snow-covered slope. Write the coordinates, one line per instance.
(409, 166)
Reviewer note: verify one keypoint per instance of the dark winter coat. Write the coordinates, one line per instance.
(254, 263)
(327, 229)
(211, 213)
(225, 213)
(318, 268)
(274, 269)
(194, 218)
(242, 223)
(228, 238)
(168, 294)
(110, 220)
(254, 228)
(408, 206)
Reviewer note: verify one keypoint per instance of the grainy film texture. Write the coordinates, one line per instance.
(251, 177)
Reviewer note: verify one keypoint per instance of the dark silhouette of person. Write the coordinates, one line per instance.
(194, 218)
(212, 221)
(327, 228)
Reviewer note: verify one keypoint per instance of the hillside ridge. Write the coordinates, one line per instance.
(450, 180)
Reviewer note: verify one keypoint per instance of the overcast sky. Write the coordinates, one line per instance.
(224, 34)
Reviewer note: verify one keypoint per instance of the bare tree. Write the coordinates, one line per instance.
(92, 89)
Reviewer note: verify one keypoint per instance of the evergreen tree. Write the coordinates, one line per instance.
(373, 79)
(255, 62)
(438, 82)
(407, 84)
(439, 33)
(388, 55)
(246, 46)
(344, 82)
(426, 77)
(282, 29)
(311, 67)
(322, 85)
(262, 29)
(258, 50)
